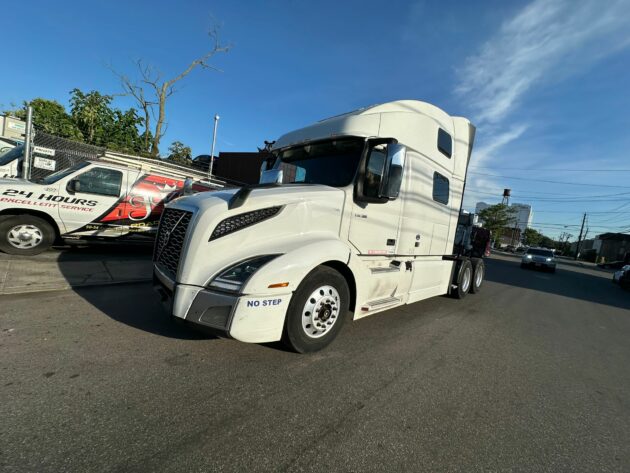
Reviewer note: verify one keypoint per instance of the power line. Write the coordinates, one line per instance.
(550, 169)
(548, 181)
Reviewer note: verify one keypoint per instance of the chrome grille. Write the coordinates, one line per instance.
(170, 240)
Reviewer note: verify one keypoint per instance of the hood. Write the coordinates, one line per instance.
(302, 213)
(259, 197)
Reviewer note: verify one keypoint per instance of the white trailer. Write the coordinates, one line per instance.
(364, 221)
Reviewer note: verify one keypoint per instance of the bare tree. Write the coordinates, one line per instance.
(137, 92)
(161, 89)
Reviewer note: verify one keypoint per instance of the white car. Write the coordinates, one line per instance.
(539, 258)
(618, 274)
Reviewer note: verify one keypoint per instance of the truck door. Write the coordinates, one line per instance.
(374, 227)
(90, 197)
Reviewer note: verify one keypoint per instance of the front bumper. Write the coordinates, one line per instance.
(539, 264)
(248, 318)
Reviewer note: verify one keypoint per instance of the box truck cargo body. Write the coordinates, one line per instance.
(365, 222)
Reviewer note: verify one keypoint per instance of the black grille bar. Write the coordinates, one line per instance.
(170, 240)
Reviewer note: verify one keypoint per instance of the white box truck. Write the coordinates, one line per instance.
(116, 198)
(363, 221)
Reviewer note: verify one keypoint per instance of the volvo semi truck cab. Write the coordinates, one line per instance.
(357, 214)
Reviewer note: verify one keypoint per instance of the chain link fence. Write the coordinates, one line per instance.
(51, 154)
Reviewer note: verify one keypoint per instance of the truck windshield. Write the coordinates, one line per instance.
(10, 155)
(331, 163)
(51, 179)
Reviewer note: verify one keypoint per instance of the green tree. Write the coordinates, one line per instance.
(496, 218)
(180, 153)
(122, 134)
(532, 237)
(92, 114)
(51, 117)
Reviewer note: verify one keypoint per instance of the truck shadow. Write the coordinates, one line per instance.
(134, 303)
(568, 281)
(137, 306)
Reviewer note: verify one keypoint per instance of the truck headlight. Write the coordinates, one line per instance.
(233, 278)
(528, 256)
(548, 260)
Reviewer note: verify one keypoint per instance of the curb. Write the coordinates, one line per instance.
(65, 287)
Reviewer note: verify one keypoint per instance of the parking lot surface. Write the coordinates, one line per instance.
(529, 375)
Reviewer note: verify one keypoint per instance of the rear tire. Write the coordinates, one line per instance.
(317, 311)
(25, 235)
(464, 279)
(479, 274)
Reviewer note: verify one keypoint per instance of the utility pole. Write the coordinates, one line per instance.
(579, 242)
(214, 138)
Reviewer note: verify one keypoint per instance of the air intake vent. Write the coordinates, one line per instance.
(240, 221)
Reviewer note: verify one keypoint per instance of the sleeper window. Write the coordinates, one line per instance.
(440, 188)
(445, 143)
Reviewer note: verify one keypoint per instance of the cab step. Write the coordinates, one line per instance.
(380, 303)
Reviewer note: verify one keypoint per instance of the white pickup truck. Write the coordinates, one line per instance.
(106, 199)
(357, 215)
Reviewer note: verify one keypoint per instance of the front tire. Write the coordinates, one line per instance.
(317, 311)
(25, 235)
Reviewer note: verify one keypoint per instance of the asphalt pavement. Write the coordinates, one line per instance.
(529, 375)
(76, 266)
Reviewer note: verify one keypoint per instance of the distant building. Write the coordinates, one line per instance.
(612, 247)
(522, 217)
(11, 127)
(238, 167)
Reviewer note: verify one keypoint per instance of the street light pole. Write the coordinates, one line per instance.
(214, 138)
(28, 145)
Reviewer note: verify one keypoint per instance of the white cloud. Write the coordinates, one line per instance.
(486, 150)
(546, 40)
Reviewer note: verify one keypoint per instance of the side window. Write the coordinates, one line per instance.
(440, 188)
(100, 181)
(445, 143)
(374, 169)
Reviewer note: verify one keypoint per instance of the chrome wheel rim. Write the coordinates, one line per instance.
(24, 237)
(479, 276)
(320, 312)
(466, 280)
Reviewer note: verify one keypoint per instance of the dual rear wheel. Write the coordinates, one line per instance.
(469, 277)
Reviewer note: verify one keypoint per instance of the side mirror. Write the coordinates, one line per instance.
(394, 166)
(73, 186)
(272, 176)
(188, 186)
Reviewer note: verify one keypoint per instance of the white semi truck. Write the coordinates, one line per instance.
(356, 215)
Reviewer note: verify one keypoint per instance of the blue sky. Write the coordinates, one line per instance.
(545, 81)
